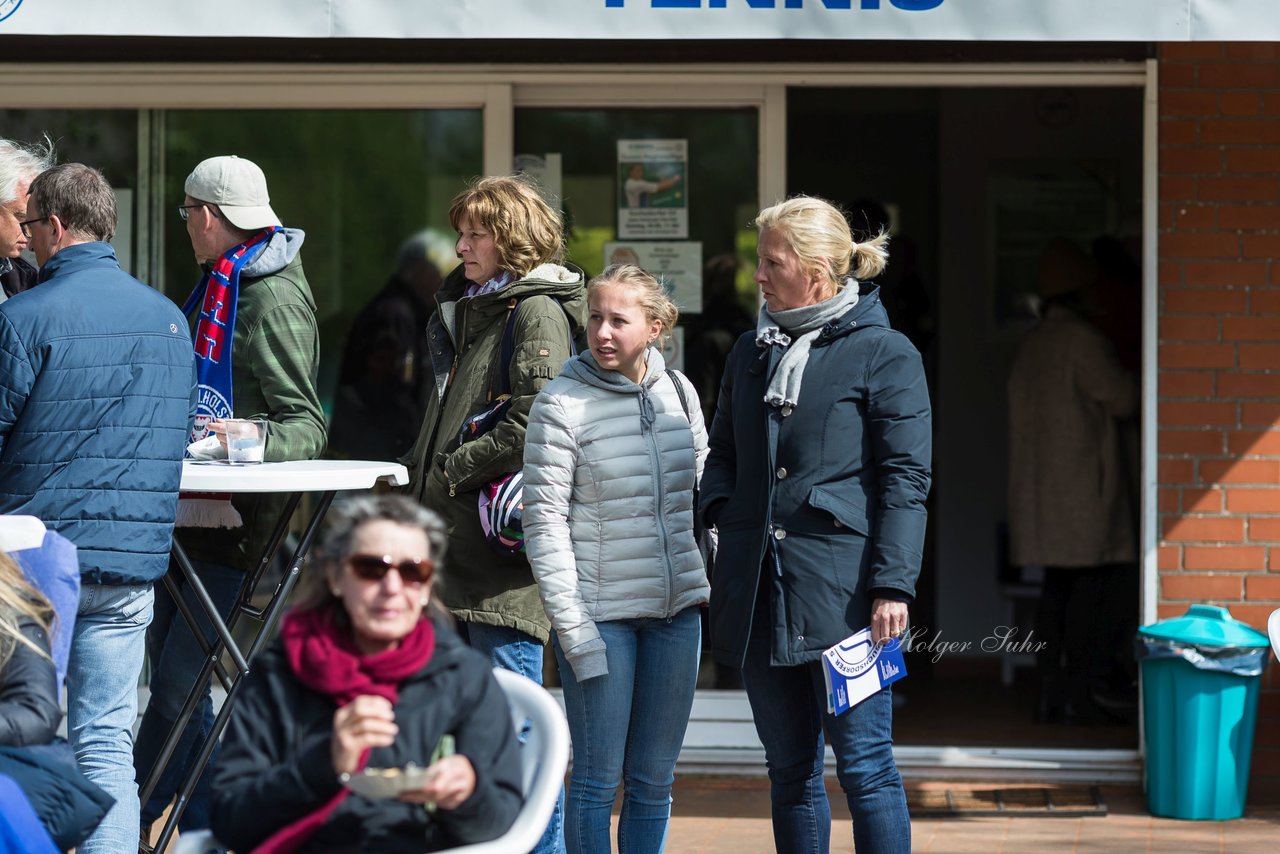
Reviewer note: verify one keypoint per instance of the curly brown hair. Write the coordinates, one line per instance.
(526, 230)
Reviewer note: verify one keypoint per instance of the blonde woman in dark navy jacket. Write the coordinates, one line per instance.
(816, 480)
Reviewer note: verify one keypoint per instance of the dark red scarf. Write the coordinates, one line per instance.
(325, 659)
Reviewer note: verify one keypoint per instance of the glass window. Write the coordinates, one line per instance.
(358, 182)
(104, 139)
(674, 190)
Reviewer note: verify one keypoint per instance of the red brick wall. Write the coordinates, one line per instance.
(1219, 352)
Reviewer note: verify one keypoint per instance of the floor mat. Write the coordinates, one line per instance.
(1039, 801)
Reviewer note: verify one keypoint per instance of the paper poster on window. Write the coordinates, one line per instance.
(678, 265)
(653, 192)
(673, 349)
(546, 172)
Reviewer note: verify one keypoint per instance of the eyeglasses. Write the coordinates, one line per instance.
(25, 225)
(375, 568)
(184, 210)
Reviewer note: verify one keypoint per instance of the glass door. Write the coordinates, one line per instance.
(673, 190)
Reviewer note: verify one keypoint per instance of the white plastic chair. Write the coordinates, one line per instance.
(544, 756)
(1273, 631)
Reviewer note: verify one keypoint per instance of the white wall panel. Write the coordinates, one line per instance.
(909, 20)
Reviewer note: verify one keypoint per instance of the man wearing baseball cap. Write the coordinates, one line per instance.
(257, 353)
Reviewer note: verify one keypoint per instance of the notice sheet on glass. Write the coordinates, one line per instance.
(653, 192)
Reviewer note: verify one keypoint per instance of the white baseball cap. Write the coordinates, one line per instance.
(239, 189)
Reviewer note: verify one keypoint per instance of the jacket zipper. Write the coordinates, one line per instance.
(448, 386)
(659, 494)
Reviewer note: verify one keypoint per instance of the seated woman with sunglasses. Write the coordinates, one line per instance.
(367, 677)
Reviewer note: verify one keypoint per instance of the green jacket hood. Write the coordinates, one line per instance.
(565, 283)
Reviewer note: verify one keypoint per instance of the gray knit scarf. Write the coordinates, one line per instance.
(804, 323)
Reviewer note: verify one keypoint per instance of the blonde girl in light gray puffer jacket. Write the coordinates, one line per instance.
(611, 463)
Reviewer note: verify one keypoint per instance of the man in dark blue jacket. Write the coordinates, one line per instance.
(96, 395)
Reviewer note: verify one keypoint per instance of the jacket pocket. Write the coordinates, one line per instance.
(848, 510)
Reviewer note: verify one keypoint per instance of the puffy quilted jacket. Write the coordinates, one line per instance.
(465, 336)
(97, 391)
(609, 472)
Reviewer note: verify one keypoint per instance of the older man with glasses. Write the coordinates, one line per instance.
(257, 354)
(19, 165)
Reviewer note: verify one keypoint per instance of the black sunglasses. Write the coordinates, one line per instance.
(375, 568)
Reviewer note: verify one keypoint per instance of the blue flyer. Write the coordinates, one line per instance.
(855, 668)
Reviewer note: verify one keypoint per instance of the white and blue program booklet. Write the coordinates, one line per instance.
(856, 668)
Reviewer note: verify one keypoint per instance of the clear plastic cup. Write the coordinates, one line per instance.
(246, 440)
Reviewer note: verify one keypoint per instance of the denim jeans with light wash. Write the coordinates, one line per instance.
(628, 726)
(176, 659)
(789, 705)
(513, 650)
(107, 650)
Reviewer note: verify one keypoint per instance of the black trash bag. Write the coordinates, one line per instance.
(1235, 660)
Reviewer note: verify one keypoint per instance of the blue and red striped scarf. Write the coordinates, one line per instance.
(217, 294)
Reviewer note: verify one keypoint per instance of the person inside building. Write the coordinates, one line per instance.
(367, 675)
(257, 354)
(1071, 508)
(504, 324)
(19, 165)
(611, 463)
(383, 382)
(818, 538)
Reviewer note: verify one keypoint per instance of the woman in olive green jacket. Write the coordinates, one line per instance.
(510, 242)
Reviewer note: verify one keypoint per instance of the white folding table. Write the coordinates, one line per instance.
(326, 477)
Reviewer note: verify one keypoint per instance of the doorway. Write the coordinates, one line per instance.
(973, 183)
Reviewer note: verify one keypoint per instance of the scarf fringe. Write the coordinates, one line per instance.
(207, 510)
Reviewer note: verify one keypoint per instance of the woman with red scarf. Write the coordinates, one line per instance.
(363, 683)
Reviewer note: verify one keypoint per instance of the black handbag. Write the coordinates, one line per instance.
(67, 803)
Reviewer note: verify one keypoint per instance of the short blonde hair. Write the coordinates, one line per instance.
(818, 232)
(650, 293)
(526, 230)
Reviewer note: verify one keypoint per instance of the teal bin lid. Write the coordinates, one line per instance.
(1206, 625)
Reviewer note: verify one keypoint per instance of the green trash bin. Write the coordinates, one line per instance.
(1200, 679)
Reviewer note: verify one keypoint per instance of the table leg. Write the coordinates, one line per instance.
(213, 653)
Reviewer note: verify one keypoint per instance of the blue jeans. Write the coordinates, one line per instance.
(107, 649)
(789, 705)
(513, 650)
(628, 726)
(176, 659)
